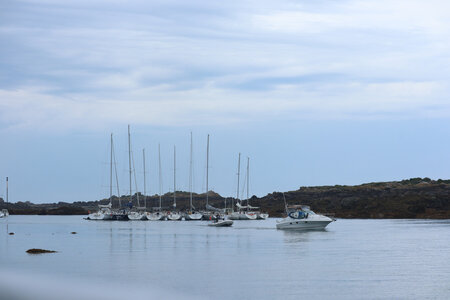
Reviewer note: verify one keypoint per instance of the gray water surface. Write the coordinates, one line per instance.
(351, 259)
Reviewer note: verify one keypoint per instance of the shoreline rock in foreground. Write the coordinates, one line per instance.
(39, 251)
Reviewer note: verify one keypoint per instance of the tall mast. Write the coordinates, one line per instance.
(238, 176)
(7, 190)
(190, 178)
(129, 160)
(111, 171)
(248, 180)
(117, 177)
(160, 183)
(145, 186)
(135, 180)
(207, 169)
(174, 176)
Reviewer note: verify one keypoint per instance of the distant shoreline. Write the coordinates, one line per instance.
(415, 198)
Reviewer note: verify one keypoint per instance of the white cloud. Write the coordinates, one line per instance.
(165, 63)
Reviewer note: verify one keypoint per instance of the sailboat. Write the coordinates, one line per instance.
(158, 215)
(174, 215)
(253, 209)
(211, 212)
(191, 215)
(240, 214)
(104, 212)
(4, 212)
(136, 214)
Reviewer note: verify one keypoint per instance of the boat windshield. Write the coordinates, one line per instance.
(309, 211)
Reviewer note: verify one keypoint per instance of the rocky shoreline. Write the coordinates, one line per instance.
(420, 198)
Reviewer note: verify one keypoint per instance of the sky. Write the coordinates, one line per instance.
(313, 92)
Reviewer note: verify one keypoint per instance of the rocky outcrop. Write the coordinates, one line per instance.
(412, 198)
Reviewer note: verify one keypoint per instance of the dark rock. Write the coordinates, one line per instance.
(39, 251)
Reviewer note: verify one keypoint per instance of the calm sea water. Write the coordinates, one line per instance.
(352, 259)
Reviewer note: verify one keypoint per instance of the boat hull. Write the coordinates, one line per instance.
(242, 216)
(174, 217)
(221, 223)
(136, 216)
(193, 217)
(293, 224)
(156, 217)
(261, 216)
(98, 216)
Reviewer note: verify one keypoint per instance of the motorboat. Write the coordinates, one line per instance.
(221, 223)
(301, 217)
(174, 216)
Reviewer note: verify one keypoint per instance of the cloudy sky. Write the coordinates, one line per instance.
(314, 92)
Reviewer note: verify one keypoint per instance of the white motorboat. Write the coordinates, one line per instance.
(221, 223)
(193, 216)
(301, 217)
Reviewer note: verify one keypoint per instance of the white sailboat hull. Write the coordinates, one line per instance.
(174, 217)
(100, 216)
(261, 216)
(136, 216)
(193, 217)
(242, 216)
(156, 216)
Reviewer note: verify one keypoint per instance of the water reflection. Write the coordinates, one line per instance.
(301, 236)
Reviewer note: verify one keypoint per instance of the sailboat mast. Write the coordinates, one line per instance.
(207, 170)
(238, 176)
(248, 181)
(129, 160)
(145, 186)
(7, 190)
(174, 176)
(160, 183)
(117, 177)
(110, 170)
(190, 177)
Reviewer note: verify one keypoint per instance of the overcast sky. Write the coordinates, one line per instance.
(314, 92)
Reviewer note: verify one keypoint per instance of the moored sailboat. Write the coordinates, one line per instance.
(133, 214)
(174, 215)
(158, 215)
(241, 214)
(191, 214)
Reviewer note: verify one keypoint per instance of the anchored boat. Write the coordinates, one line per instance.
(301, 217)
(221, 223)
